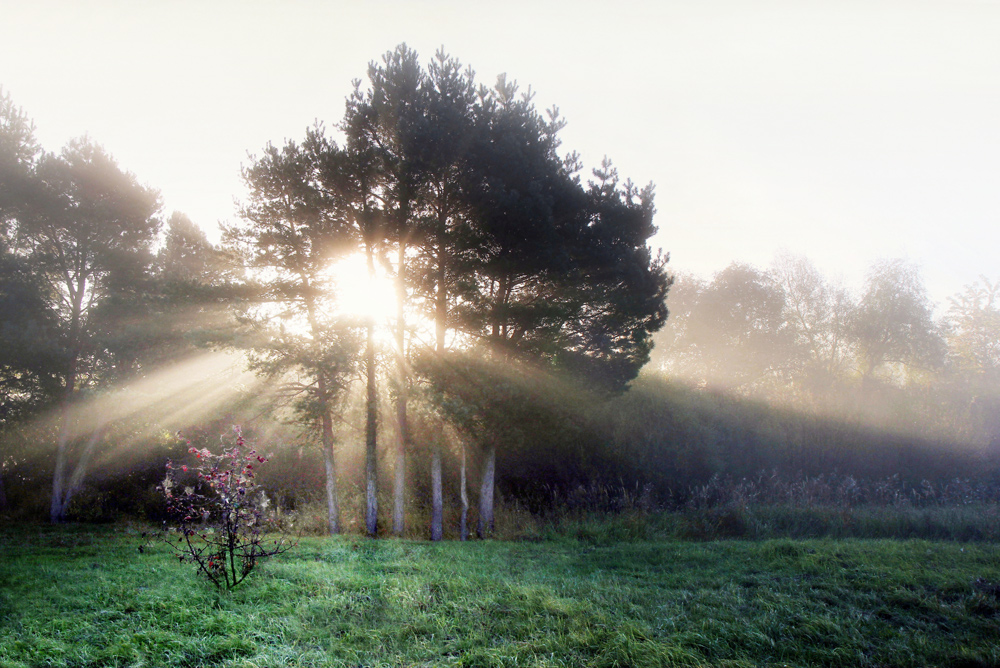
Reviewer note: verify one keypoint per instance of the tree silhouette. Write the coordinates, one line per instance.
(381, 123)
(29, 350)
(547, 270)
(88, 229)
(290, 234)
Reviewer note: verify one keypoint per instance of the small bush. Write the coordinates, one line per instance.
(220, 517)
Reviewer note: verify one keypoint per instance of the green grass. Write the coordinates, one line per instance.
(83, 596)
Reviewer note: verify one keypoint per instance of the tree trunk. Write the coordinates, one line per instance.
(57, 510)
(371, 423)
(324, 394)
(485, 525)
(464, 522)
(3, 493)
(399, 484)
(440, 325)
(437, 501)
(371, 440)
(332, 509)
(68, 489)
(80, 472)
(402, 390)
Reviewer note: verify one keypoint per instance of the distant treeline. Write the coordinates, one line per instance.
(788, 336)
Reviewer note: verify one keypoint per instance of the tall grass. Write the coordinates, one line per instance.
(83, 596)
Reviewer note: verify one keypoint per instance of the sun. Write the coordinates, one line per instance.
(364, 298)
(361, 295)
(352, 296)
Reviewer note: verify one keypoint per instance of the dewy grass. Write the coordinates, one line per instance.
(84, 597)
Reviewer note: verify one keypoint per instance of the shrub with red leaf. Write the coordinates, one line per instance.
(220, 523)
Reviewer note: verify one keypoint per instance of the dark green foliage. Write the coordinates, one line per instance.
(547, 440)
(30, 355)
(670, 438)
(87, 229)
(570, 451)
(18, 154)
(561, 273)
(541, 283)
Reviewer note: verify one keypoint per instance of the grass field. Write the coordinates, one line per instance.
(84, 596)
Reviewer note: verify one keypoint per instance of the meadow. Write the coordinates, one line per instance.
(618, 594)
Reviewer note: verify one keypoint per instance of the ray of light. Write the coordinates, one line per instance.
(168, 398)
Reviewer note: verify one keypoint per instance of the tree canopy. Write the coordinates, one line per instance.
(458, 191)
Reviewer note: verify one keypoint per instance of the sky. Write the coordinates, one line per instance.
(845, 131)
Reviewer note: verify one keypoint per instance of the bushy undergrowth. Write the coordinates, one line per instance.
(844, 491)
(565, 453)
(971, 523)
(976, 522)
(605, 515)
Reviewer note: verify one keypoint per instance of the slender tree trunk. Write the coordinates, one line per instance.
(440, 315)
(371, 440)
(332, 509)
(485, 526)
(464, 522)
(437, 501)
(324, 394)
(402, 391)
(64, 490)
(399, 483)
(371, 424)
(57, 510)
(80, 471)
(3, 493)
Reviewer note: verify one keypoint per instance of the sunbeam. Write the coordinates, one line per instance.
(167, 399)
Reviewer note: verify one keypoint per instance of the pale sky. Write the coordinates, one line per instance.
(843, 131)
